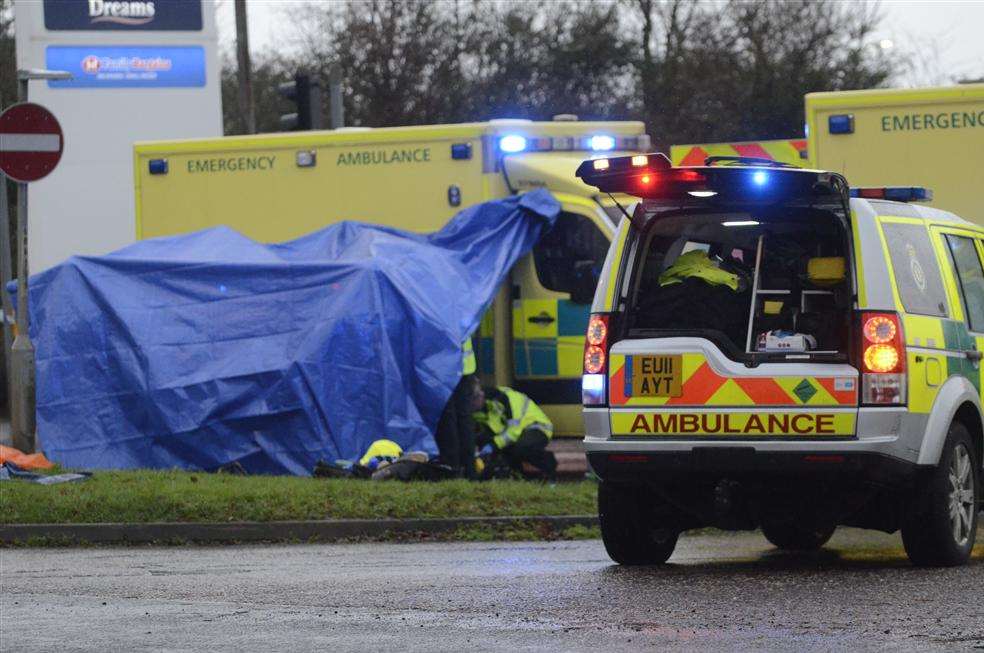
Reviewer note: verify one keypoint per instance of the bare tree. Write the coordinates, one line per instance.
(738, 70)
(694, 70)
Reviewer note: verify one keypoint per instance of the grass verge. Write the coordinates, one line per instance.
(173, 496)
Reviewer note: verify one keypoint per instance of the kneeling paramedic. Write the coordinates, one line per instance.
(511, 425)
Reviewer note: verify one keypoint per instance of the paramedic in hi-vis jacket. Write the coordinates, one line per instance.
(455, 434)
(512, 426)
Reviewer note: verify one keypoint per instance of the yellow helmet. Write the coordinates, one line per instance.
(381, 449)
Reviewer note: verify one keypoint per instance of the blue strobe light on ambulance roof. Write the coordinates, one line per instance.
(512, 143)
(760, 178)
(602, 143)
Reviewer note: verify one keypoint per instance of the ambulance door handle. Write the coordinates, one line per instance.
(542, 318)
(974, 354)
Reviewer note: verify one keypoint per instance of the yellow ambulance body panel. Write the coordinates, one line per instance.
(275, 187)
(791, 151)
(929, 137)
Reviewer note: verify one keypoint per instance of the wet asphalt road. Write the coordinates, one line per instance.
(721, 592)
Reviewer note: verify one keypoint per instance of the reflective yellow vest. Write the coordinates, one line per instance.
(696, 264)
(468, 364)
(525, 415)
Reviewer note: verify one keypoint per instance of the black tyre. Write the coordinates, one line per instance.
(790, 536)
(627, 528)
(940, 524)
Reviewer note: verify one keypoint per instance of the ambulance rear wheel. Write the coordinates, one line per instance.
(791, 536)
(627, 528)
(941, 525)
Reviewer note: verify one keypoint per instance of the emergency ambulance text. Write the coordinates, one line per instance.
(231, 164)
(925, 121)
(734, 424)
(415, 155)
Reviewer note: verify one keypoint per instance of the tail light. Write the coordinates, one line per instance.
(882, 359)
(593, 380)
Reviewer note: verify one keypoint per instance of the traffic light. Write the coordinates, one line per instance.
(305, 93)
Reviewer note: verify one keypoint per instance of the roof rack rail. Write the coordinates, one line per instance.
(745, 161)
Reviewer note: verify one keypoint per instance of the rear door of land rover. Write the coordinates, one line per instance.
(758, 347)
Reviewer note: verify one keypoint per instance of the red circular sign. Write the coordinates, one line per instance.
(31, 142)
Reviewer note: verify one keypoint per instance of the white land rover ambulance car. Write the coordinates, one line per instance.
(771, 349)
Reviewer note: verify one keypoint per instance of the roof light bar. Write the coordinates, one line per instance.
(894, 193)
(653, 177)
(511, 143)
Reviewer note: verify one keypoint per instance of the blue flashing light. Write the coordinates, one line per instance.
(512, 143)
(602, 143)
(157, 166)
(760, 177)
(914, 194)
(842, 123)
(461, 151)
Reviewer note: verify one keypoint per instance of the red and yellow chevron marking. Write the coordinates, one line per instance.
(791, 151)
(702, 386)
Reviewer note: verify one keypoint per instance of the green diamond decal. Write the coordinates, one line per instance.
(804, 390)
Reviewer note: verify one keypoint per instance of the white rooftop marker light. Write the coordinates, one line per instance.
(740, 223)
(601, 164)
(512, 143)
(601, 143)
(702, 193)
(640, 160)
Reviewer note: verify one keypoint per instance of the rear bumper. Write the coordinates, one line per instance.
(739, 461)
(883, 433)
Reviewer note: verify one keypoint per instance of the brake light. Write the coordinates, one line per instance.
(595, 360)
(882, 360)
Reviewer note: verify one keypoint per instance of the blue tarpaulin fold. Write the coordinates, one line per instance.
(201, 350)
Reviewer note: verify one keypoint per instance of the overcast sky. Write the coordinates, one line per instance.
(940, 38)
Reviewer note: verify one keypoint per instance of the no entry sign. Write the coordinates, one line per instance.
(31, 142)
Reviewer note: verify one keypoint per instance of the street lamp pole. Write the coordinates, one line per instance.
(22, 404)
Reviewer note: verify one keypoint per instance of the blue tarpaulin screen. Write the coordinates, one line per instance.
(201, 350)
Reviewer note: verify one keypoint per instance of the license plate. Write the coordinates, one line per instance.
(657, 376)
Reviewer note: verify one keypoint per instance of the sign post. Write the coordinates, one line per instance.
(31, 145)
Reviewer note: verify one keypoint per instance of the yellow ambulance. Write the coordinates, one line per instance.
(791, 151)
(769, 348)
(932, 137)
(274, 187)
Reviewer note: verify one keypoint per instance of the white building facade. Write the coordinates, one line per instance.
(143, 70)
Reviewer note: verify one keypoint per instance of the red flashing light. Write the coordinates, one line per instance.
(882, 359)
(689, 175)
(872, 193)
(596, 344)
(883, 351)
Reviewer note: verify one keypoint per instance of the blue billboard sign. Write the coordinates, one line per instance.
(127, 66)
(162, 15)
